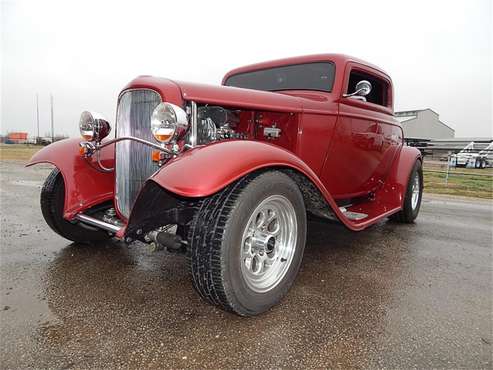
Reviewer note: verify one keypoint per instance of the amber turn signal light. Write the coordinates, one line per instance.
(157, 155)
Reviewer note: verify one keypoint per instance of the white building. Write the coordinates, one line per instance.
(423, 124)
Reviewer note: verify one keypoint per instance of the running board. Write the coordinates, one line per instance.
(97, 223)
(353, 216)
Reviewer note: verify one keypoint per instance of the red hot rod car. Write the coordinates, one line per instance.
(227, 174)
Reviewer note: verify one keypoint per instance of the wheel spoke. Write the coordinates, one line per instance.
(247, 245)
(248, 263)
(251, 229)
(271, 216)
(261, 261)
(270, 260)
(257, 265)
(272, 224)
(260, 220)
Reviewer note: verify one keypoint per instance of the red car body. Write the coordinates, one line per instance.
(345, 148)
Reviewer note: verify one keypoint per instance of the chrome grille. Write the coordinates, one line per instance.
(133, 160)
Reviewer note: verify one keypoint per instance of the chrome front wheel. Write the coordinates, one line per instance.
(268, 243)
(246, 242)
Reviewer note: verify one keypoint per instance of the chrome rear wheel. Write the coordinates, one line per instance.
(416, 191)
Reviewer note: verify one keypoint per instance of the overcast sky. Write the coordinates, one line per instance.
(438, 53)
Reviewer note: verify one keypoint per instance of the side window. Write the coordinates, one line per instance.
(380, 88)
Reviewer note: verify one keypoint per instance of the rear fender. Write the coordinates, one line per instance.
(389, 198)
(85, 184)
(396, 184)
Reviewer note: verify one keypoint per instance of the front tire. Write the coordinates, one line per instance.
(412, 199)
(246, 243)
(52, 203)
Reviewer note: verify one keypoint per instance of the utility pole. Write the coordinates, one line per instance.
(52, 123)
(37, 118)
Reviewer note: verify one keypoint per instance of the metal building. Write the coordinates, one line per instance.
(423, 124)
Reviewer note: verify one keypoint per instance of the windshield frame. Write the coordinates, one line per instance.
(330, 89)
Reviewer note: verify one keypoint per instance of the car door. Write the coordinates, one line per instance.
(366, 137)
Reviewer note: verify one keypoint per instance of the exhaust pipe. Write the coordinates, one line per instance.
(97, 223)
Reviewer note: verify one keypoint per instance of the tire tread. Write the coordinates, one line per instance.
(205, 237)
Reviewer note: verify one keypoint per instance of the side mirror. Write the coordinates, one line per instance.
(363, 88)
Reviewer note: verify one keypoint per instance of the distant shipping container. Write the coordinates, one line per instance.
(17, 137)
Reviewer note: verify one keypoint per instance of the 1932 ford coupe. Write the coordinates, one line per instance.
(227, 174)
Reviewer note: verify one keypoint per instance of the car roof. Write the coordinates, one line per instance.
(339, 59)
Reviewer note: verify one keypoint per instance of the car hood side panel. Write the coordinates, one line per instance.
(178, 91)
(239, 98)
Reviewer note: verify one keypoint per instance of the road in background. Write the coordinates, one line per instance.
(395, 296)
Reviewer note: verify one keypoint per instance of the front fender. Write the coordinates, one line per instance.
(205, 170)
(85, 184)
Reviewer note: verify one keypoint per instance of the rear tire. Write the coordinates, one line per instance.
(412, 200)
(243, 255)
(52, 203)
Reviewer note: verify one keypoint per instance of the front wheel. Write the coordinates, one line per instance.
(412, 199)
(246, 243)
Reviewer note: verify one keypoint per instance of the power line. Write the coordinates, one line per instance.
(37, 117)
(52, 122)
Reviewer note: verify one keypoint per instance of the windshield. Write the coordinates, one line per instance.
(308, 76)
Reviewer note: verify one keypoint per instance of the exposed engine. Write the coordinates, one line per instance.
(217, 123)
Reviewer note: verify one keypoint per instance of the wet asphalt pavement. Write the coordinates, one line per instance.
(393, 296)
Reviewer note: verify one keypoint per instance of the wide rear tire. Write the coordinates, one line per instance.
(52, 202)
(246, 243)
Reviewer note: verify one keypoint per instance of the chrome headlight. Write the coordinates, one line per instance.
(168, 122)
(93, 127)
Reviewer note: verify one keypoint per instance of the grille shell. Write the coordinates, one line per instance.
(133, 160)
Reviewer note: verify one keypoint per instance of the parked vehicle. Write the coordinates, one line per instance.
(473, 157)
(227, 174)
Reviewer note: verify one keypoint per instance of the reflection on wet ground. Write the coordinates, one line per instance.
(393, 296)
